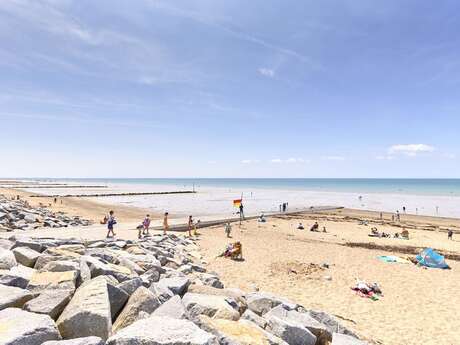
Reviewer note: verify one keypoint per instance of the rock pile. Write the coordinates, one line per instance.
(146, 292)
(19, 215)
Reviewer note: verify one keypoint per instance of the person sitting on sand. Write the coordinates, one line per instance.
(111, 221)
(405, 234)
(315, 227)
(450, 234)
(228, 229)
(300, 227)
(374, 231)
(146, 225)
(324, 229)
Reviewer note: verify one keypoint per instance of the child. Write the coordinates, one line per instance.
(111, 221)
(146, 225)
(165, 223)
(190, 226)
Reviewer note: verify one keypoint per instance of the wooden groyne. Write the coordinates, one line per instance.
(48, 186)
(111, 194)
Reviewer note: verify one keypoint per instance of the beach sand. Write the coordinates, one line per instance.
(420, 306)
(88, 209)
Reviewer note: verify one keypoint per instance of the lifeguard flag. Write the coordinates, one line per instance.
(237, 202)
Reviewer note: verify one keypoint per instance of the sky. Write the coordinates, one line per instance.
(213, 88)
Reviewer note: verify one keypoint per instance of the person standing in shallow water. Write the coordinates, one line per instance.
(111, 221)
(190, 225)
(165, 223)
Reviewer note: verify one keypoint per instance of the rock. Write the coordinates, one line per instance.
(172, 308)
(130, 286)
(343, 339)
(331, 323)
(177, 286)
(238, 332)
(88, 313)
(131, 265)
(162, 331)
(42, 280)
(61, 266)
(7, 259)
(26, 242)
(13, 297)
(236, 294)
(290, 331)
(211, 280)
(77, 341)
(50, 302)
(260, 302)
(321, 332)
(253, 317)
(19, 327)
(85, 273)
(117, 298)
(162, 292)
(6, 244)
(98, 268)
(142, 300)
(18, 276)
(213, 306)
(26, 256)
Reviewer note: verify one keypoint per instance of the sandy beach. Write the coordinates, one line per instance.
(418, 307)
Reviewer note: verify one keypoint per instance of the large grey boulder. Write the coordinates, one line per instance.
(172, 308)
(99, 268)
(290, 331)
(6, 244)
(77, 341)
(19, 327)
(26, 256)
(235, 294)
(177, 285)
(7, 259)
(343, 339)
(131, 285)
(50, 302)
(217, 307)
(322, 333)
(331, 323)
(27, 242)
(17, 276)
(261, 302)
(117, 298)
(157, 330)
(141, 301)
(61, 266)
(161, 291)
(253, 317)
(88, 313)
(44, 280)
(13, 297)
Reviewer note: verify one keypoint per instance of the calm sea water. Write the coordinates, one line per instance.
(439, 187)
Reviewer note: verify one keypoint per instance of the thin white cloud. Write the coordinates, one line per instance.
(267, 72)
(384, 158)
(449, 155)
(333, 158)
(276, 160)
(410, 150)
(289, 160)
(246, 161)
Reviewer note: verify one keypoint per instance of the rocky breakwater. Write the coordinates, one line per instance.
(154, 291)
(19, 215)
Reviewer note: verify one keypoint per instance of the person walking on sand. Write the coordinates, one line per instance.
(165, 223)
(190, 225)
(228, 229)
(111, 221)
(241, 212)
(450, 234)
(146, 225)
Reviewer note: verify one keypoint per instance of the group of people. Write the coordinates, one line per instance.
(284, 207)
(143, 229)
(314, 227)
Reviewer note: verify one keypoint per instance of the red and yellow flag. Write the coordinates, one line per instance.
(237, 202)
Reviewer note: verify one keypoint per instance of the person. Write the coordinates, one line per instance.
(228, 229)
(146, 225)
(284, 207)
(165, 223)
(398, 216)
(287, 205)
(450, 234)
(324, 229)
(300, 227)
(262, 218)
(195, 227)
(241, 212)
(392, 217)
(315, 227)
(111, 221)
(190, 225)
(404, 209)
(280, 208)
(55, 200)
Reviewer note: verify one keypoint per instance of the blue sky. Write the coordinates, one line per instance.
(212, 88)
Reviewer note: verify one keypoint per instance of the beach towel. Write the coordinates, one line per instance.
(430, 258)
(393, 259)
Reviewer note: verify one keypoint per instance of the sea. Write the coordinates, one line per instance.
(214, 196)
